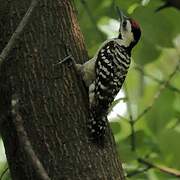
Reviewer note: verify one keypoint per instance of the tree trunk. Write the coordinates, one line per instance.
(52, 101)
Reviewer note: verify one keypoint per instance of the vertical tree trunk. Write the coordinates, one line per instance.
(52, 101)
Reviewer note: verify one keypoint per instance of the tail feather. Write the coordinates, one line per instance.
(97, 126)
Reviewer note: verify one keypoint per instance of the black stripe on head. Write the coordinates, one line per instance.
(136, 32)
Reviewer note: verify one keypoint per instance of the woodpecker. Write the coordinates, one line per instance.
(105, 73)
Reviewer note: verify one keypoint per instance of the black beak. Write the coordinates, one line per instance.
(122, 17)
(120, 14)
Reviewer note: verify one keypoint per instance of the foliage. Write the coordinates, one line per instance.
(155, 134)
(4, 174)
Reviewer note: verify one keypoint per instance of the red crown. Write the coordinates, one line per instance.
(135, 24)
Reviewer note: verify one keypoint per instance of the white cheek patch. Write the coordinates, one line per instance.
(128, 26)
(127, 34)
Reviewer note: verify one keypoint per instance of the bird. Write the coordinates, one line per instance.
(105, 73)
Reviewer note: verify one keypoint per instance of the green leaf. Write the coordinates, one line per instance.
(169, 144)
(161, 112)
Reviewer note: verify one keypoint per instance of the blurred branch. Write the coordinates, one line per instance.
(26, 144)
(141, 79)
(113, 3)
(177, 123)
(163, 169)
(169, 3)
(171, 87)
(138, 171)
(115, 102)
(87, 9)
(157, 95)
(131, 121)
(15, 36)
(3, 173)
(165, 5)
(122, 99)
(122, 117)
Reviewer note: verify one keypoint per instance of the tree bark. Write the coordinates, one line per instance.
(52, 101)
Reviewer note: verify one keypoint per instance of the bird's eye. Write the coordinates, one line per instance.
(124, 24)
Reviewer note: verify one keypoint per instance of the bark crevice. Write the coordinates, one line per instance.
(52, 102)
